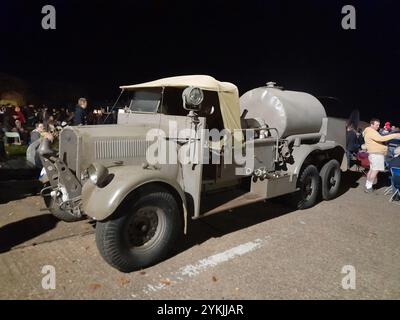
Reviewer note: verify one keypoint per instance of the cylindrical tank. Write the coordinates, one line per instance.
(291, 112)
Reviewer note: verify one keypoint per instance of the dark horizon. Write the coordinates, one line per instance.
(98, 46)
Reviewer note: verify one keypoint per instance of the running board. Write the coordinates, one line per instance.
(245, 199)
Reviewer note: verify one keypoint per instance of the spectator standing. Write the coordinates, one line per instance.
(69, 115)
(37, 132)
(360, 137)
(386, 129)
(30, 115)
(18, 115)
(80, 116)
(51, 124)
(352, 144)
(377, 151)
(61, 115)
(20, 129)
(43, 116)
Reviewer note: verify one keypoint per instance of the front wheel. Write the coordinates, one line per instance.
(142, 233)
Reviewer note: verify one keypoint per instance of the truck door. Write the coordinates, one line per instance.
(192, 164)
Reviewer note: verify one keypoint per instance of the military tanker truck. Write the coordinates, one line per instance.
(178, 142)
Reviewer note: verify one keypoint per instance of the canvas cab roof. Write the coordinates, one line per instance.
(228, 94)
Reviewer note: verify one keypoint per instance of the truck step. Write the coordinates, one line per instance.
(244, 199)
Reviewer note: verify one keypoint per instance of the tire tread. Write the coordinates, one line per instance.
(108, 237)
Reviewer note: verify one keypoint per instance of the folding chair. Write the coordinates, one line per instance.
(396, 183)
(13, 135)
(362, 162)
(390, 189)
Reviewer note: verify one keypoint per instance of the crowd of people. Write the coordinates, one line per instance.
(380, 145)
(30, 122)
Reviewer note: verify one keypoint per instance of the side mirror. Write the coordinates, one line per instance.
(192, 98)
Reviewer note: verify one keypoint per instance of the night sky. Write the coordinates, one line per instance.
(301, 45)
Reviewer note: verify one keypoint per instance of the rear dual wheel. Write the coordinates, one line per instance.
(330, 179)
(312, 183)
(309, 187)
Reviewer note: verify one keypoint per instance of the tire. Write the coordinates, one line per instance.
(142, 233)
(330, 179)
(309, 184)
(57, 212)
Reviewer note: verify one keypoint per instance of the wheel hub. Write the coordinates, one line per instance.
(142, 226)
(308, 189)
(332, 179)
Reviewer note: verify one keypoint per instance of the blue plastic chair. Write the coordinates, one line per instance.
(396, 182)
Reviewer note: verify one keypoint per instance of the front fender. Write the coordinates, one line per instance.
(100, 203)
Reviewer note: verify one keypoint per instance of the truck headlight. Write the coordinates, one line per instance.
(97, 174)
(192, 98)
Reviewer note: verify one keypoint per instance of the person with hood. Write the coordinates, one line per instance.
(377, 150)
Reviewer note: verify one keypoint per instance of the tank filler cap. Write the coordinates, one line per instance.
(272, 84)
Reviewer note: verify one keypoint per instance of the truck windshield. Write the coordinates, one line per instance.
(147, 101)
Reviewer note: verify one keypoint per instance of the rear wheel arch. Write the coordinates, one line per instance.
(320, 157)
(339, 154)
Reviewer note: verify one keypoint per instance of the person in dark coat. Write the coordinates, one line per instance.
(352, 143)
(395, 161)
(80, 116)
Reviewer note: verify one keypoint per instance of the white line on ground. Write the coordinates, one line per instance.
(192, 270)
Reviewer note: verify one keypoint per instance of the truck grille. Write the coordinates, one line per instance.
(69, 148)
(120, 148)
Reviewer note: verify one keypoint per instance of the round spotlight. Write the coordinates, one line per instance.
(192, 98)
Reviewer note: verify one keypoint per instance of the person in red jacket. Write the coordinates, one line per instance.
(18, 115)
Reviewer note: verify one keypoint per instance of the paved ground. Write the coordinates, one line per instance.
(262, 251)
